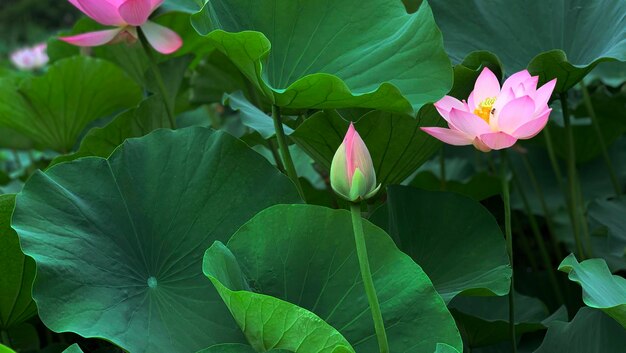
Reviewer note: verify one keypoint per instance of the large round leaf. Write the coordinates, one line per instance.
(454, 238)
(601, 289)
(589, 331)
(332, 53)
(306, 255)
(268, 322)
(118, 242)
(395, 141)
(16, 272)
(52, 110)
(559, 38)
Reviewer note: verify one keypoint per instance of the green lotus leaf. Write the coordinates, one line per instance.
(485, 320)
(601, 289)
(445, 348)
(5, 349)
(16, 272)
(251, 116)
(235, 348)
(268, 322)
(52, 110)
(609, 230)
(333, 54)
(305, 255)
(118, 242)
(396, 143)
(455, 239)
(75, 348)
(102, 141)
(589, 331)
(553, 39)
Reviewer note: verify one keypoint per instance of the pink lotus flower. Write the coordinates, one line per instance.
(126, 15)
(30, 58)
(494, 118)
(352, 174)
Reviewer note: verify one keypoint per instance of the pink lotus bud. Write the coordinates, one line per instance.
(30, 58)
(494, 118)
(126, 16)
(352, 174)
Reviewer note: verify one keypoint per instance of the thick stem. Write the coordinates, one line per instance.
(272, 148)
(159, 78)
(571, 176)
(596, 127)
(539, 239)
(366, 275)
(284, 149)
(508, 234)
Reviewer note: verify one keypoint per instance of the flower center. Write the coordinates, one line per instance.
(485, 108)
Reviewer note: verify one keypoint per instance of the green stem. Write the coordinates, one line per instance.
(442, 169)
(279, 162)
(284, 149)
(596, 127)
(4, 338)
(158, 77)
(544, 206)
(366, 274)
(571, 175)
(508, 234)
(539, 239)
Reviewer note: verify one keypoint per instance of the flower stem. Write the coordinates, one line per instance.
(366, 275)
(284, 150)
(576, 215)
(596, 127)
(158, 77)
(508, 234)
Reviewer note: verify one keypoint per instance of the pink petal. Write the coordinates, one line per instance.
(486, 86)
(163, 39)
(445, 104)
(543, 94)
(516, 79)
(468, 123)
(358, 156)
(449, 136)
(516, 113)
(480, 145)
(92, 39)
(136, 12)
(533, 127)
(101, 11)
(529, 86)
(497, 140)
(155, 4)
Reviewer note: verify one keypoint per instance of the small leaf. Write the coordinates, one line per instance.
(601, 289)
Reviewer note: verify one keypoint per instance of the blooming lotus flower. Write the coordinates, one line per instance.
(494, 118)
(352, 173)
(126, 15)
(30, 58)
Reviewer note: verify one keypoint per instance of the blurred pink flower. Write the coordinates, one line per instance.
(494, 118)
(30, 58)
(126, 15)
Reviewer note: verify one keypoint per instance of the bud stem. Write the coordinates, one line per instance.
(366, 275)
(508, 234)
(284, 150)
(158, 77)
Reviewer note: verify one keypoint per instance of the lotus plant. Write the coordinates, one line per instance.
(127, 16)
(30, 58)
(495, 117)
(352, 176)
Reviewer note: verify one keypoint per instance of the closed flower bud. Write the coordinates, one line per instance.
(352, 174)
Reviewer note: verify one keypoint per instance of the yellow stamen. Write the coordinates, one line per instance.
(485, 108)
